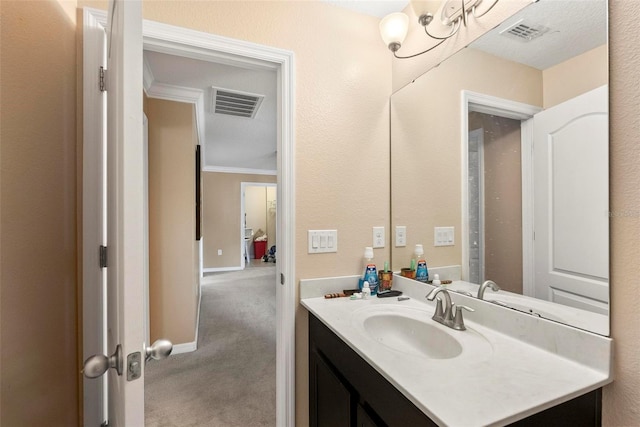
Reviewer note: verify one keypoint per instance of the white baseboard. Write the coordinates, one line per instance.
(217, 269)
(193, 345)
(186, 347)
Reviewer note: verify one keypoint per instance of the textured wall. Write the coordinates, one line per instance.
(39, 328)
(173, 280)
(620, 406)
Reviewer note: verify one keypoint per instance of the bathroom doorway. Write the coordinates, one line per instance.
(170, 39)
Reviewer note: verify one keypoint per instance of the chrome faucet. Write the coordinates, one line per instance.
(487, 284)
(445, 316)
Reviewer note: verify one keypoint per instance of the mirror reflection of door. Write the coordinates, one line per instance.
(495, 201)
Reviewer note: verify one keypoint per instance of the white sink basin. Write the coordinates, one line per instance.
(412, 336)
(411, 331)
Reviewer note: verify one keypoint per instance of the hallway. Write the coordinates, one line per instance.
(230, 379)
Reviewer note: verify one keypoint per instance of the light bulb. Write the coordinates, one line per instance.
(393, 29)
(425, 10)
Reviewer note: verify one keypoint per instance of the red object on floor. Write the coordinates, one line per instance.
(259, 249)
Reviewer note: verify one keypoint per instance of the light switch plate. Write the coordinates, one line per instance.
(378, 237)
(322, 241)
(443, 236)
(401, 236)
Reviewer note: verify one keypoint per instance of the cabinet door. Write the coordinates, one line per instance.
(366, 420)
(329, 398)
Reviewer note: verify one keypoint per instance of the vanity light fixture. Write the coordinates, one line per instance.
(453, 14)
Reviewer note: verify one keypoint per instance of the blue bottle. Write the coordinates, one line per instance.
(422, 273)
(370, 271)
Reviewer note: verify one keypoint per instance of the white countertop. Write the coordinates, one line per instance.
(523, 371)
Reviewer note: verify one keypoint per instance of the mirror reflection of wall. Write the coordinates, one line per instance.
(495, 201)
(429, 166)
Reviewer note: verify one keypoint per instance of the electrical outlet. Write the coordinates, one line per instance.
(378, 237)
(401, 236)
(219, 252)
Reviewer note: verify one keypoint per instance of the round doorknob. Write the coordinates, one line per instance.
(160, 349)
(98, 364)
(95, 366)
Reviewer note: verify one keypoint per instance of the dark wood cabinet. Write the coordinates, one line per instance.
(344, 390)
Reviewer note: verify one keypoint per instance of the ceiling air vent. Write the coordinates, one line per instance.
(524, 31)
(234, 103)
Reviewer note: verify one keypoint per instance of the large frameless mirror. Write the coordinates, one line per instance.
(507, 142)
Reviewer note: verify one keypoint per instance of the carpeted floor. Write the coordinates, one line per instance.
(230, 379)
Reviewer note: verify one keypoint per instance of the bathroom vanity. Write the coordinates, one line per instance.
(384, 362)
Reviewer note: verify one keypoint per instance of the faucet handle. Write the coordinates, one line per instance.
(458, 321)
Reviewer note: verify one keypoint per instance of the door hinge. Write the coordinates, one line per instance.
(103, 256)
(281, 278)
(103, 79)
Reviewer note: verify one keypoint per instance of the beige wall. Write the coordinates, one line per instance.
(425, 152)
(502, 199)
(575, 76)
(221, 217)
(39, 328)
(620, 399)
(173, 280)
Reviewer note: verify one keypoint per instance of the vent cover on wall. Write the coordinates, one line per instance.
(234, 103)
(524, 31)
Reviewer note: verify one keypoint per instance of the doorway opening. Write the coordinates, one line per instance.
(481, 111)
(196, 45)
(495, 201)
(259, 219)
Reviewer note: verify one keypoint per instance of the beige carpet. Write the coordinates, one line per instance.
(230, 379)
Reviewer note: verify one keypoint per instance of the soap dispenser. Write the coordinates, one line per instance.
(370, 271)
(422, 274)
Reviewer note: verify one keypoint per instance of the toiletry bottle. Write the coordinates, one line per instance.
(370, 271)
(436, 280)
(366, 290)
(385, 278)
(422, 274)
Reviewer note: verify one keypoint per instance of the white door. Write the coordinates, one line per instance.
(123, 365)
(571, 202)
(125, 210)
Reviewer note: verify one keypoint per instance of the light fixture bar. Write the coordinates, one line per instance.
(453, 14)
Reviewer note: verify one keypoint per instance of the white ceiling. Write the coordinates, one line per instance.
(229, 141)
(575, 26)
